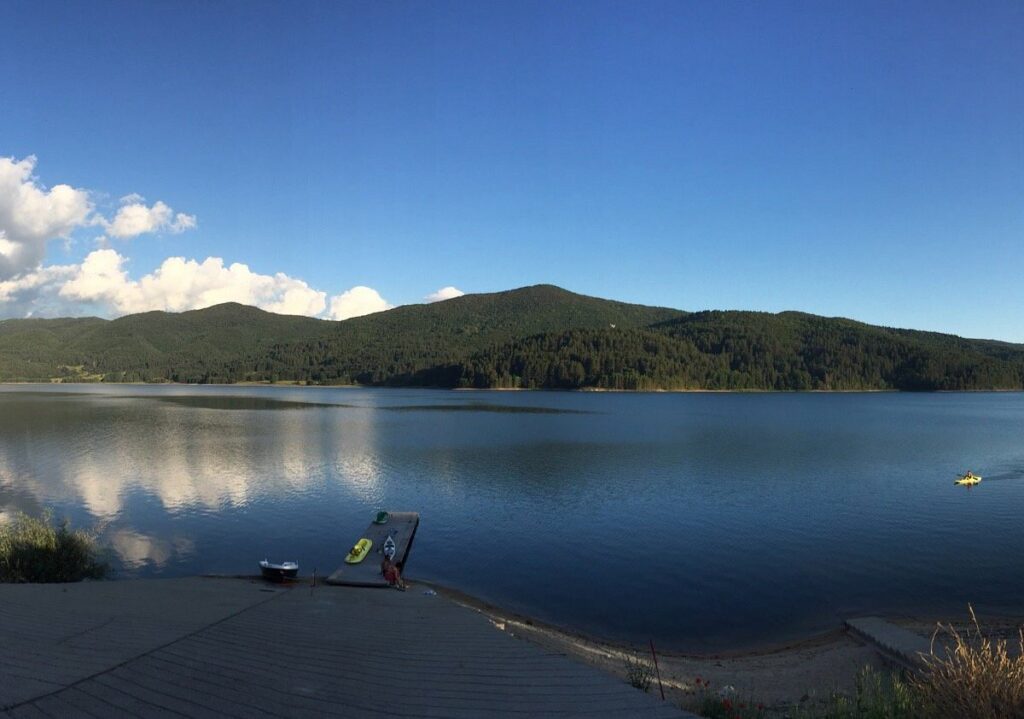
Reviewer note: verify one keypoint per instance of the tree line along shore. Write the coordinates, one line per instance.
(539, 337)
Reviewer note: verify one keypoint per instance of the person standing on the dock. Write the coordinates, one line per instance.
(392, 573)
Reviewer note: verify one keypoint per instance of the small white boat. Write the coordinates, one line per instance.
(279, 572)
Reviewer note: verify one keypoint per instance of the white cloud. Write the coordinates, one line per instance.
(180, 284)
(36, 292)
(31, 216)
(134, 218)
(30, 281)
(356, 302)
(445, 293)
(101, 285)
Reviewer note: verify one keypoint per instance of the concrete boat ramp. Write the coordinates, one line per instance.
(202, 647)
(896, 645)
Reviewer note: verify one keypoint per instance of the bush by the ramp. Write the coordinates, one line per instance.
(33, 549)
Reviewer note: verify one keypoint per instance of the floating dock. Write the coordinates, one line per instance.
(401, 527)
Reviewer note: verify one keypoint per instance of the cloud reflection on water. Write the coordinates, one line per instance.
(151, 474)
(356, 458)
(135, 549)
(101, 453)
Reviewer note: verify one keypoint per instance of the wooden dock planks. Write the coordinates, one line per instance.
(401, 526)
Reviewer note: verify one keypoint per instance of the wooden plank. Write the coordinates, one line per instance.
(401, 527)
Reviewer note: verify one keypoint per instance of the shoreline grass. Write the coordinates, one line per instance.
(35, 550)
(966, 675)
(976, 678)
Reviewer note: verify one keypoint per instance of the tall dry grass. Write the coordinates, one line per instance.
(967, 675)
(976, 677)
(32, 549)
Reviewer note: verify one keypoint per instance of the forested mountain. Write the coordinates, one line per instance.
(534, 337)
(419, 344)
(748, 351)
(152, 346)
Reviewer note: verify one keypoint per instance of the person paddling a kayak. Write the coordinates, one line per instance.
(968, 479)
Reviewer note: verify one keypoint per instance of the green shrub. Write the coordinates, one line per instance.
(877, 696)
(639, 673)
(32, 549)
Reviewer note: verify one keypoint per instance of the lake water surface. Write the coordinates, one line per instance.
(704, 521)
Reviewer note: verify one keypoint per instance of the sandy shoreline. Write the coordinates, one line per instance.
(777, 675)
(807, 670)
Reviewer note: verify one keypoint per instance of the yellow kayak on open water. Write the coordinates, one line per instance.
(967, 479)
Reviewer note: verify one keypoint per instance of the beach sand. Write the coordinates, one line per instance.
(806, 671)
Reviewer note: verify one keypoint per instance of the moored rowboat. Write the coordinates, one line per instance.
(279, 572)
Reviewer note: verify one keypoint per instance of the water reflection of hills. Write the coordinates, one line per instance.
(153, 470)
(128, 462)
(100, 452)
(234, 402)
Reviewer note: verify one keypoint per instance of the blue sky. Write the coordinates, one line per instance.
(855, 159)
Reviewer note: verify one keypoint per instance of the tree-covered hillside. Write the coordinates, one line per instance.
(534, 337)
(152, 346)
(748, 351)
(417, 344)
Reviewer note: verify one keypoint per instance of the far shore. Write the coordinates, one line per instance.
(581, 390)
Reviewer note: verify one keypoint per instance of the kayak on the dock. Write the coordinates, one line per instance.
(359, 551)
(279, 572)
(968, 479)
(392, 540)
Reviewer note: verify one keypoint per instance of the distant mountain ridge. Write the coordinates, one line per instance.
(533, 337)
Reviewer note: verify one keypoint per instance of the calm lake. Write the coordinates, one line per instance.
(703, 521)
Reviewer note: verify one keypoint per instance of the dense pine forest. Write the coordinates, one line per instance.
(534, 337)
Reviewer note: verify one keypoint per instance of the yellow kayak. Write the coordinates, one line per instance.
(359, 551)
(967, 479)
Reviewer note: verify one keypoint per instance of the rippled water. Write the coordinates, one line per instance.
(704, 521)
